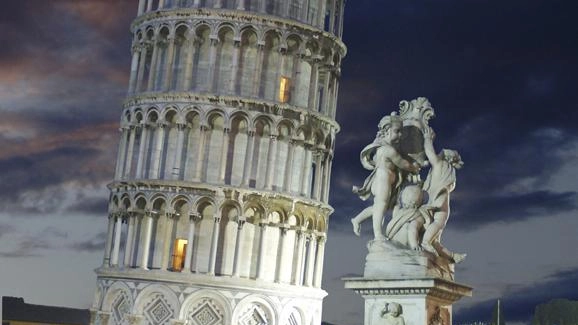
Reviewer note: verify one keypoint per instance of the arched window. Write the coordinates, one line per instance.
(224, 60)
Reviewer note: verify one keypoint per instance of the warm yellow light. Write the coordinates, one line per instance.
(179, 254)
(284, 89)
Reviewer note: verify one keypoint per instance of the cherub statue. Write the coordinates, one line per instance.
(387, 164)
(440, 182)
(391, 314)
(408, 218)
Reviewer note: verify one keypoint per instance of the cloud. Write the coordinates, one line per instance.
(28, 247)
(518, 305)
(94, 244)
(512, 208)
(6, 229)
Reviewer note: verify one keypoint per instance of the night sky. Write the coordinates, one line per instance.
(500, 75)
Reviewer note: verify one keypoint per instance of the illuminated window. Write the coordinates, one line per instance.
(284, 89)
(179, 254)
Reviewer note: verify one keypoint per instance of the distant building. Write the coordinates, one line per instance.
(16, 312)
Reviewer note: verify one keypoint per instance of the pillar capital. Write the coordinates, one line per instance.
(195, 217)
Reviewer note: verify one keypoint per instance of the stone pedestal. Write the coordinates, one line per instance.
(405, 287)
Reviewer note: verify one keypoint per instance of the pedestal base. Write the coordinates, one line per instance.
(423, 301)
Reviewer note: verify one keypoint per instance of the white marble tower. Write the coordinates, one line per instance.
(218, 210)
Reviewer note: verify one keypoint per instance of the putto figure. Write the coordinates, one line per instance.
(387, 166)
(440, 182)
(395, 157)
(391, 314)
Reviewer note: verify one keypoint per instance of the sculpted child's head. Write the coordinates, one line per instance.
(390, 128)
(392, 308)
(411, 196)
(453, 157)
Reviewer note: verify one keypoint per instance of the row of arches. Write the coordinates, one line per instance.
(157, 304)
(224, 239)
(324, 14)
(246, 61)
(225, 149)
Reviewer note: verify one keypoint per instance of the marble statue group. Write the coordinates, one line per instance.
(403, 147)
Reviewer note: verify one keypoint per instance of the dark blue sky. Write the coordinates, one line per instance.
(500, 75)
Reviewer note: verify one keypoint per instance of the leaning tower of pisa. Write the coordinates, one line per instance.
(218, 209)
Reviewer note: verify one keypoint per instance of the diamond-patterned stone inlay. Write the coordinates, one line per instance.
(158, 312)
(120, 308)
(255, 316)
(205, 315)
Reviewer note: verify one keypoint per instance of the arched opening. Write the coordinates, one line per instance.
(247, 62)
(222, 78)
(201, 59)
(238, 138)
(191, 145)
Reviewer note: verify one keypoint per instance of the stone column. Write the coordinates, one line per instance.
(196, 3)
(319, 261)
(329, 162)
(258, 69)
(108, 243)
(179, 151)
(129, 241)
(116, 248)
(133, 319)
(153, 67)
(332, 9)
(238, 246)
(311, 254)
(142, 150)
(212, 63)
(214, 242)
(296, 74)
(271, 155)
(241, 5)
(261, 257)
(169, 64)
(121, 152)
(201, 153)
(305, 185)
(248, 158)
(326, 93)
(103, 317)
(298, 260)
(158, 151)
(161, 4)
(193, 219)
(235, 66)
(218, 4)
(141, 7)
(321, 13)
(141, 66)
(281, 267)
(133, 69)
(129, 153)
(150, 5)
(224, 151)
(191, 39)
(313, 85)
(318, 175)
(289, 166)
(147, 240)
(167, 241)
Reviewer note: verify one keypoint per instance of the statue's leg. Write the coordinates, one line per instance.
(443, 251)
(413, 233)
(359, 218)
(378, 210)
(434, 230)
